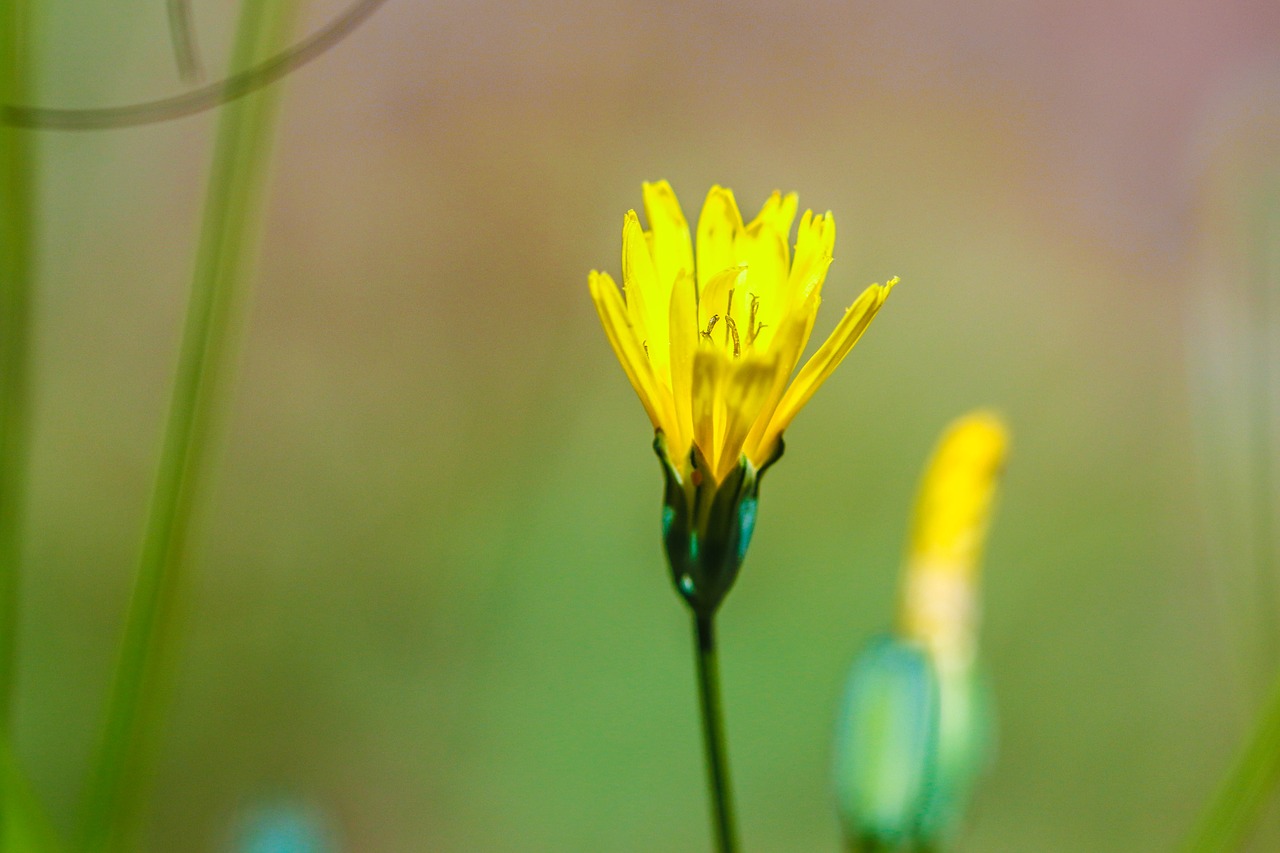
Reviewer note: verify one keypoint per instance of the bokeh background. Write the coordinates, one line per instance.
(428, 608)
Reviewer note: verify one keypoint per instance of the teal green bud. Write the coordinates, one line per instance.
(886, 748)
(910, 741)
(707, 525)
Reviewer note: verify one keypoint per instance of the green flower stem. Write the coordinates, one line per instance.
(231, 218)
(16, 237)
(713, 735)
(1239, 799)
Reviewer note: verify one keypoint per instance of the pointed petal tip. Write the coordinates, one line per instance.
(718, 191)
(662, 207)
(883, 291)
(597, 279)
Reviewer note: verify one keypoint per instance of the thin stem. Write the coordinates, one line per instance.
(16, 238)
(1242, 794)
(231, 216)
(183, 35)
(713, 735)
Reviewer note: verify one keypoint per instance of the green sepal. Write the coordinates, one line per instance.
(707, 526)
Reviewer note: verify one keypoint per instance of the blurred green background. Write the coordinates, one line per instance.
(428, 602)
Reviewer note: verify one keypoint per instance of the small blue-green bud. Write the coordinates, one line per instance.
(886, 744)
(910, 741)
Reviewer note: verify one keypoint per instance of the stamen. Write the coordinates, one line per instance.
(731, 330)
(731, 327)
(706, 336)
(753, 330)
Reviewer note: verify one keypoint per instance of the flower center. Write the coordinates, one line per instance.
(733, 338)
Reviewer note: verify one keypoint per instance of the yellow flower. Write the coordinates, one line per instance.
(710, 331)
(939, 606)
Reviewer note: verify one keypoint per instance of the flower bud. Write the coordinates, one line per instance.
(915, 731)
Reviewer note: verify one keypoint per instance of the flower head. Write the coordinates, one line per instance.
(710, 331)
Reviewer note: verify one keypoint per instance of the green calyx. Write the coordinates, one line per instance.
(707, 526)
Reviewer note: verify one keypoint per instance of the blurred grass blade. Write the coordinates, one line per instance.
(231, 218)
(1236, 363)
(1233, 352)
(24, 827)
(1238, 802)
(16, 210)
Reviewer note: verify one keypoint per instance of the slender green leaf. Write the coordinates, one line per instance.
(231, 222)
(1239, 800)
(16, 213)
(24, 827)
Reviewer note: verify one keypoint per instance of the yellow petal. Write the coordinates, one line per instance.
(762, 246)
(815, 242)
(827, 358)
(778, 213)
(745, 388)
(718, 228)
(635, 287)
(710, 366)
(627, 346)
(647, 296)
(684, 344)
(669, 232)
(939, 593)
(788, 344)
(955, 499)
